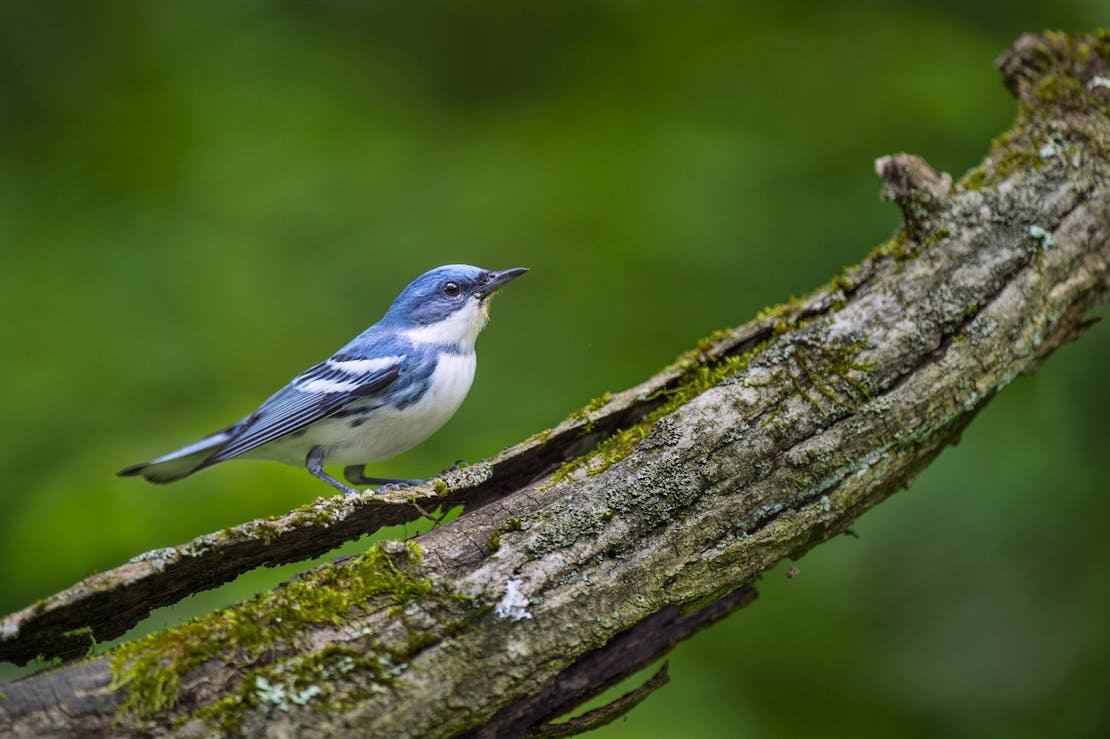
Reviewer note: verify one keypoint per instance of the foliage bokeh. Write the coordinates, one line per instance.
(198, 200)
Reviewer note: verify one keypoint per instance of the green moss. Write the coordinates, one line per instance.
(840, 282)
(843, 285)
(494, 542)
(975, 179)
(339, 675)
(599, 402)
(540, 437)
(320, 512)
(1061, 65)
(149, 670)
(1102, 44)
(781, 310)
(1017, 159)
(226, 714)
(701, 352)
(696, 379)
(81, 633)
(266, 531)
(897, 247)
(1064, 62)
(328, 680)
(1052, 88)
(701, 372)
(1015, 155)
(828, 372)
(935, 236)
(583, 414)
(1013, 150)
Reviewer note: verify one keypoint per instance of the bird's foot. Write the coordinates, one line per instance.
(315, 464)
(356, 475)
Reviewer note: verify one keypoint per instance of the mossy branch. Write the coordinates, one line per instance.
(588, 550)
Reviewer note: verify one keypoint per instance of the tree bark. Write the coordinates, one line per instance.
(586, 552)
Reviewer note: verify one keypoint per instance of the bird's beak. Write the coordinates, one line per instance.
(497, 279)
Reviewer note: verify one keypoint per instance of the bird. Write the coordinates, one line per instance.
(385, 391)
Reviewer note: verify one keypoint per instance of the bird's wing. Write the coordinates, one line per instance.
(313, 395)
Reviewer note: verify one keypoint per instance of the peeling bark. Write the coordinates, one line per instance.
(562, 577)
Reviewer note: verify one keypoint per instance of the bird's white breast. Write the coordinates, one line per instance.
(388, 430)
(447, 388)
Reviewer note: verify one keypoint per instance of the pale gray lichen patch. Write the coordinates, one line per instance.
(1043, 237)
(200, 546)
(847, 325)
(468, 477)
(663, 434)
(981, 328)
(518, 648)
(562, 530)
(157, 557)
(514, 603)
(281, 695)
(1055, 145)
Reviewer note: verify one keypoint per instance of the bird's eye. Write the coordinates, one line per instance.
(451, 289)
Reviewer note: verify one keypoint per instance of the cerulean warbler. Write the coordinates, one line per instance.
(386, 391)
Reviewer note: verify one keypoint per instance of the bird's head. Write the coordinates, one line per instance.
(448, 305)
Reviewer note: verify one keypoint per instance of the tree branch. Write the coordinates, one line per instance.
(588, 551)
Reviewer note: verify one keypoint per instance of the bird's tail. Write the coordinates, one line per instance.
(181, 463)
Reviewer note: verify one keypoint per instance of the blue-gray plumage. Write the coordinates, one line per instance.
(386, 391)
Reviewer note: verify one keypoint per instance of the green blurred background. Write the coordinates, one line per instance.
(198, 200)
